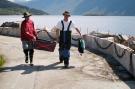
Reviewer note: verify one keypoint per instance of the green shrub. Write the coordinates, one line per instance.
(2, 60)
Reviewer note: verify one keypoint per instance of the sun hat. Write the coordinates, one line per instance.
(66, 13)
(26, 14)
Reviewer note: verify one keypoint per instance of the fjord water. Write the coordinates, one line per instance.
(112, 24)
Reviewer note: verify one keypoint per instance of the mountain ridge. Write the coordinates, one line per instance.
(10, 8)
(86, 7)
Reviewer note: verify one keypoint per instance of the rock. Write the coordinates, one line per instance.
(131, 42)
(101, 35)
(10, 24)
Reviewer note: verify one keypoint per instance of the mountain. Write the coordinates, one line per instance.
(10, 8)
(53, 7)
(86, 7)
(106, 7)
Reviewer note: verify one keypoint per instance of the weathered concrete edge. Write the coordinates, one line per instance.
(118, 51)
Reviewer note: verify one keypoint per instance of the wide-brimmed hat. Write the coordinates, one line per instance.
(66, 13)
(26, 14)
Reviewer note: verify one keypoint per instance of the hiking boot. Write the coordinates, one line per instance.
(61, 59)
(66, 66)
(31, 64)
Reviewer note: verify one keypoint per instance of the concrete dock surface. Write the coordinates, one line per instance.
(89, 71)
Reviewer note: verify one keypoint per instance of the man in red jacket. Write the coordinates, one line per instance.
(28, 37)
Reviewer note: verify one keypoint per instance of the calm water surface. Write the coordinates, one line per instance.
(111, 24)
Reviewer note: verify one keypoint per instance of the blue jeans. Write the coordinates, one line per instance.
(64, 53)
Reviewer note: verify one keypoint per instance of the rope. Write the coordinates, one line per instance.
(116, 52)
(101, 46)
(47, 34)
(119, 55)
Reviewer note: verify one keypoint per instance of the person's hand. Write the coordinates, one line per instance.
(34, 38)
(84, 36)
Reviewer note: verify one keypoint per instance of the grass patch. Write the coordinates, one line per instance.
(2, 60)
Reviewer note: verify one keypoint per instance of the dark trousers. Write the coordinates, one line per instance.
(29, 52)
(64, 56)
(65, 59)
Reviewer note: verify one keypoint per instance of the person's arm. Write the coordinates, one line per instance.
(35, 32)
(73, 26)
(58, 28)
(21, 30)
(57, 34)
(78, 31)
(29, 35)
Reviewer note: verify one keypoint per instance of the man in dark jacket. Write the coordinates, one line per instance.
(28, 37)
(64, 29)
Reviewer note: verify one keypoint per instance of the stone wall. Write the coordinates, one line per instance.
(9, 31)
(120, 52)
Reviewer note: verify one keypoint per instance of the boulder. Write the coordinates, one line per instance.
(10, 24)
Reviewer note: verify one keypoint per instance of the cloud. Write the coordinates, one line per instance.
(19, 0)
(12, 0)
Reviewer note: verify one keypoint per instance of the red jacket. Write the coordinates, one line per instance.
(28, 32)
